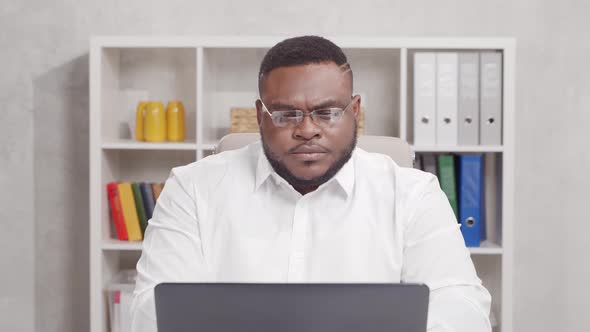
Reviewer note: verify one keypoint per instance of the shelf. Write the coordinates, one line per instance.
(117, 245)
(134, 41)
(152, 73)
(486, 248)
(129, 144)
(462, 149)
(206, 147)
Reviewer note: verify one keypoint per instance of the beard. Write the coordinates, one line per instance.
(281, 169)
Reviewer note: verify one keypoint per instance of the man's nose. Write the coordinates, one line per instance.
(307, 128)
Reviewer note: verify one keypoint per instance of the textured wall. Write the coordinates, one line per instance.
(44, 134)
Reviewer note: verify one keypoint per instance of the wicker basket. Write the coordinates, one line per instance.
(243, 120)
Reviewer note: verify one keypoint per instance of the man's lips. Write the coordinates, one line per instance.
(305, 149)
(308, 152)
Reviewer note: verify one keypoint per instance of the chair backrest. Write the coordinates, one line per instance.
(398, 149)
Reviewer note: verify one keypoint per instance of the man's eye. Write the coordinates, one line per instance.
(327, 114)
(324, 113)
(289, 114)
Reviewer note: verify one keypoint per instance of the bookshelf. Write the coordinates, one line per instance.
(210, 75)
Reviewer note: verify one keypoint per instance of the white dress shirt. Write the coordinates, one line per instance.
(231, 218)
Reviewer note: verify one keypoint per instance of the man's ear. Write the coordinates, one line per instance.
(356, 108)
(259, 112)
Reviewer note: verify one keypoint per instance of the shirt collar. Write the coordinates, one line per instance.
(345, 177)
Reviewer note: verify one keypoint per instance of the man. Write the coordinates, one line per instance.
(306, 205)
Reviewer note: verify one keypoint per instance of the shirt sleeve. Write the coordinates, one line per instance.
(172, 249)
(435, 254)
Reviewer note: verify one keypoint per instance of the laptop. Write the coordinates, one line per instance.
(227, 307)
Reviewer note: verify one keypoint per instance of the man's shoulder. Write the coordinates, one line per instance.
(213, 169)
(381, 167)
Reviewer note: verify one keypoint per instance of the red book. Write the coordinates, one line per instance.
(116, 211)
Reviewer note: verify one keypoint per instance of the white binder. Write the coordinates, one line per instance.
(491, 99)
(424, 98)
(447, 98)
(468, 98)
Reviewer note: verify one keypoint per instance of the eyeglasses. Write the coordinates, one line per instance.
(324, 117)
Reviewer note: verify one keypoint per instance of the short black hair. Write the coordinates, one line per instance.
(302, 51)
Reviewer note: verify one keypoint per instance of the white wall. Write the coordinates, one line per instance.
(44, 134)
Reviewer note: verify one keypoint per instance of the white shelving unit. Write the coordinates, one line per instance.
(210, 75)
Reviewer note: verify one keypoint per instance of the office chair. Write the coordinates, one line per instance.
(398, 149)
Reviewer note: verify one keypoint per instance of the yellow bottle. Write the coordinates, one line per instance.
(175, 120)
(139, 116)
(154, 122)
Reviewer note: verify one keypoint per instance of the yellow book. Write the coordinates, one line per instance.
(129, 211)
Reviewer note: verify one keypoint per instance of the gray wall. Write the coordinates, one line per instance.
(44, 134)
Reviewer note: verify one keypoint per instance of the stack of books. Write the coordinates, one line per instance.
(120, 292)
(132, 206)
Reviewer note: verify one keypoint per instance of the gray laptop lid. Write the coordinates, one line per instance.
(214, 307)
